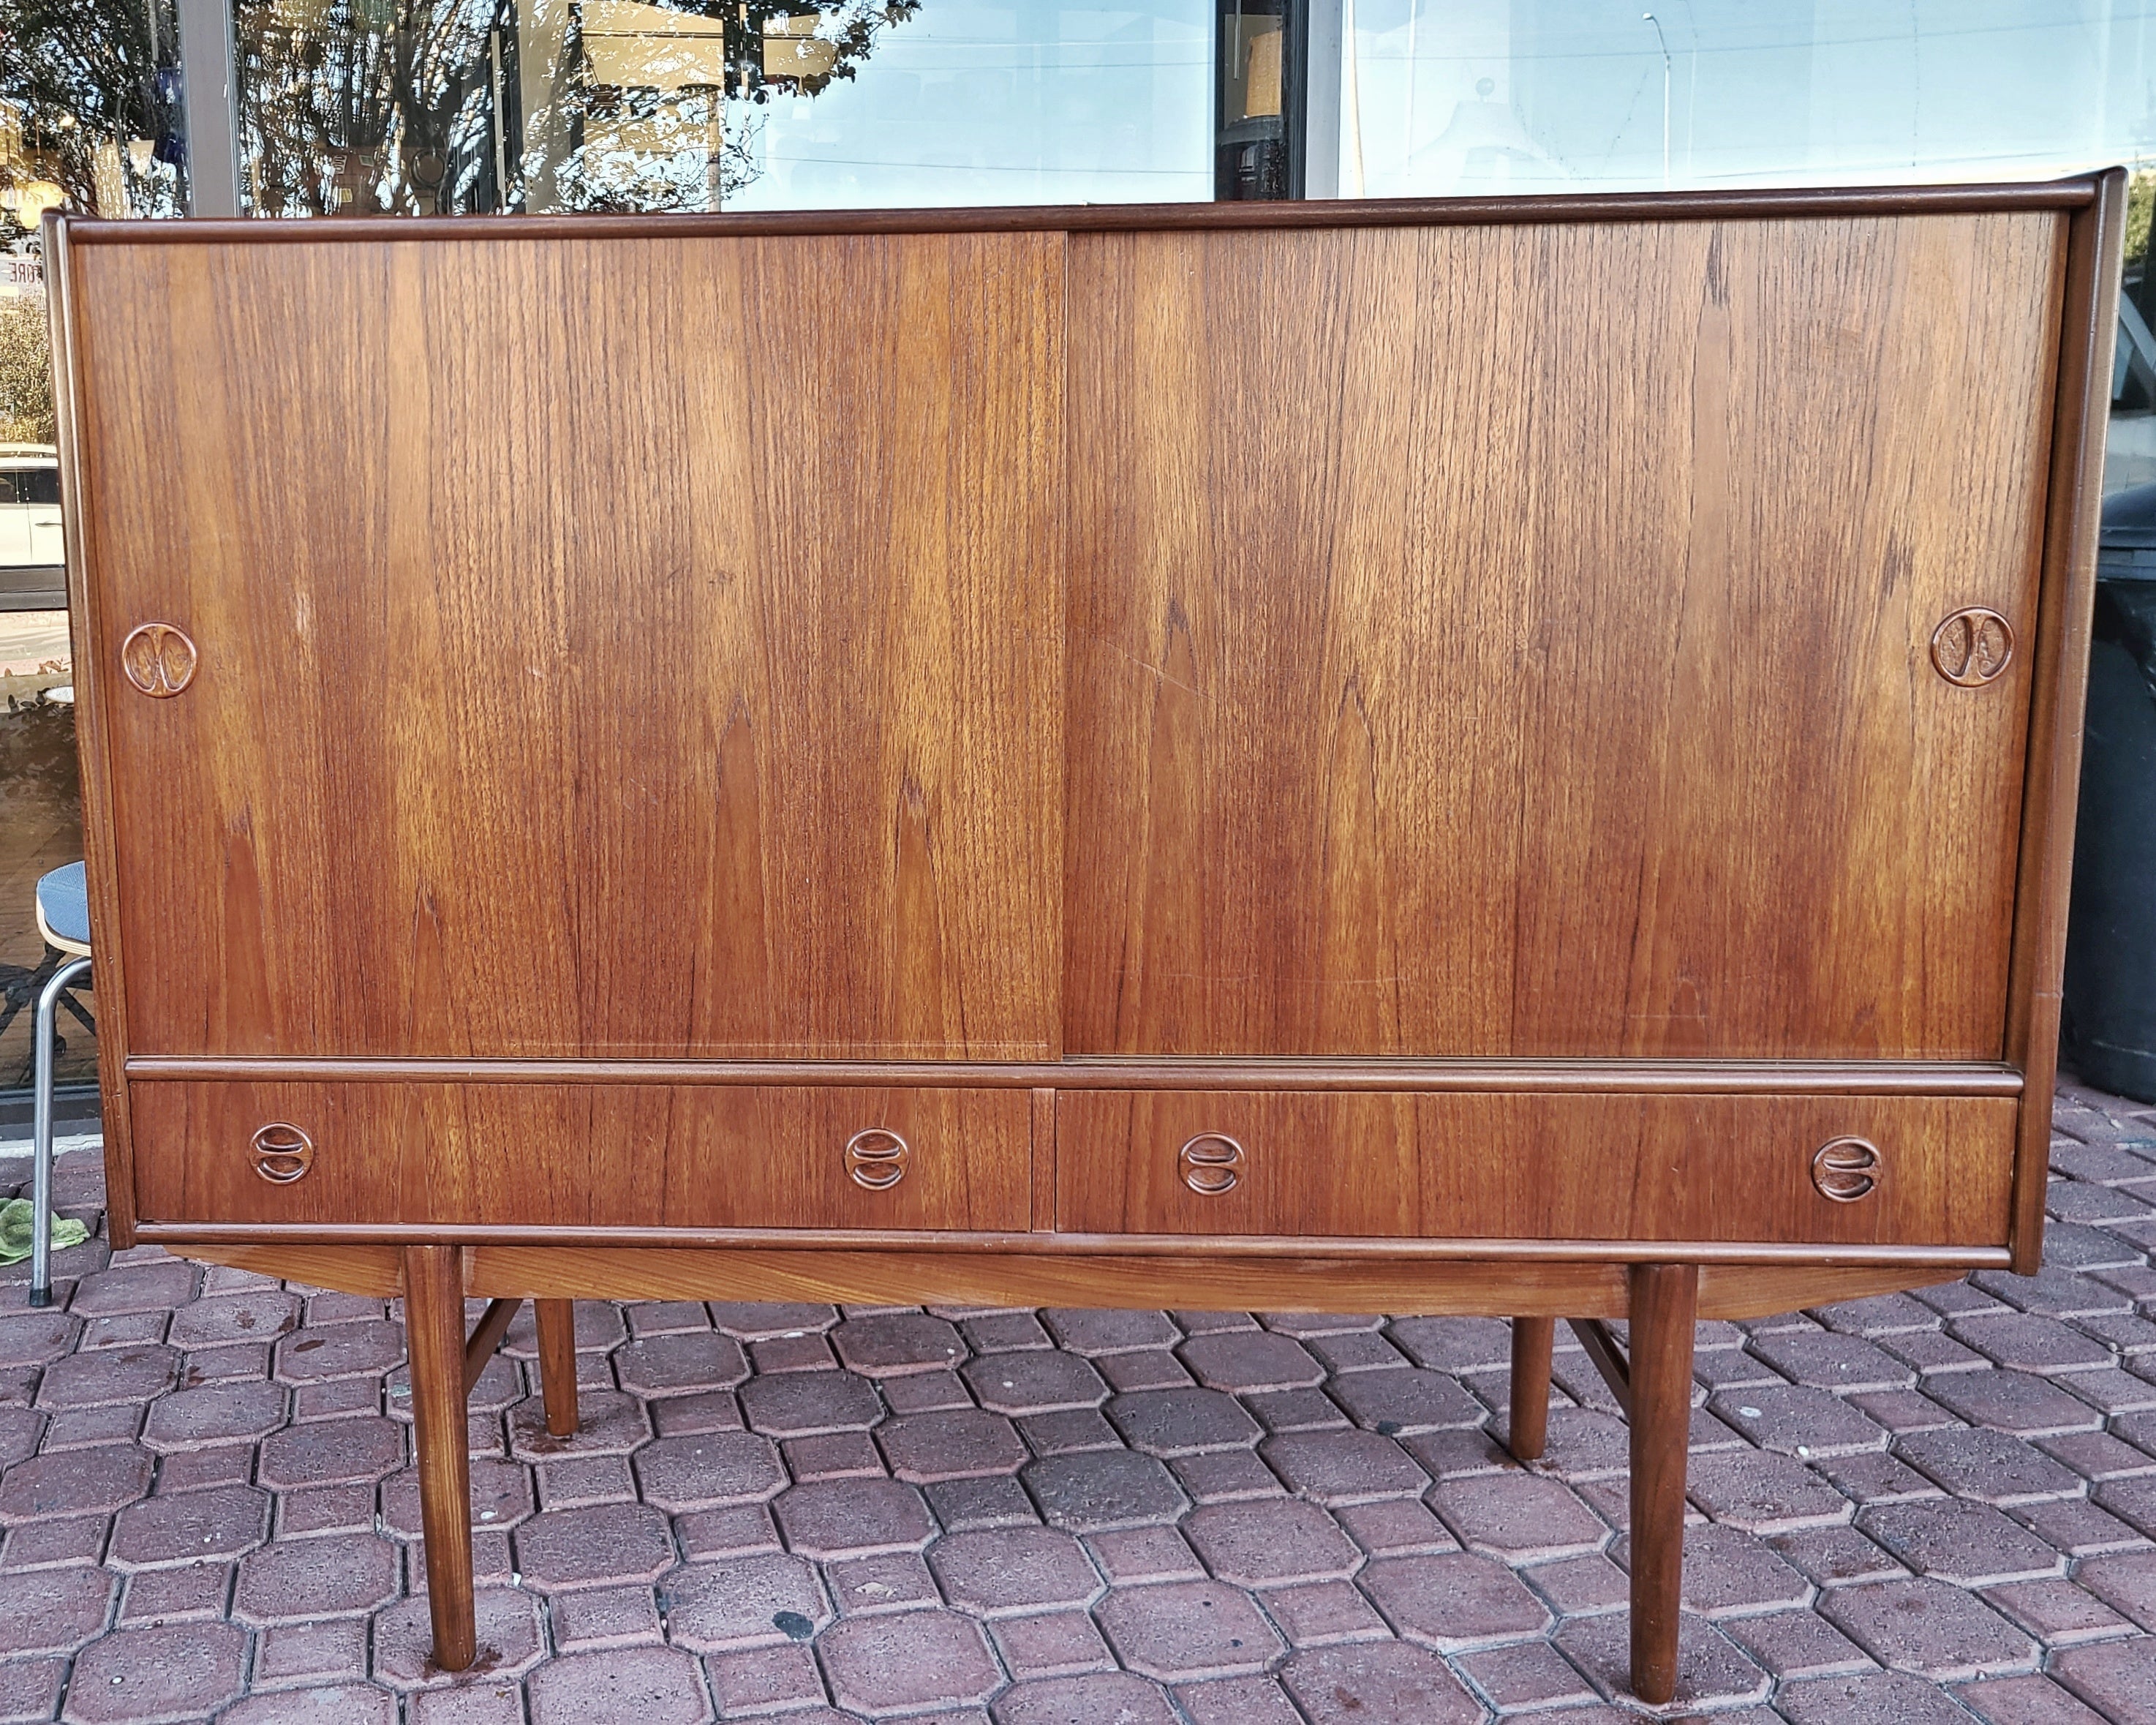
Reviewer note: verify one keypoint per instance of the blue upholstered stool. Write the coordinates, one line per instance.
(64, 919)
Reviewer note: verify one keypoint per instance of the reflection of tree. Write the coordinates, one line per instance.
(423, 106)
(26, 370)
(93, 97)
(361, 106)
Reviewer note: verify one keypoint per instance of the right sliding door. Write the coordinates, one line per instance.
(1552, 639)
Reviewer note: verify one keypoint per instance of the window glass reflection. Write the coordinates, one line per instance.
(1444, 97)
(447, 107)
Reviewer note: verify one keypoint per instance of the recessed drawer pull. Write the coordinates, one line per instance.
(283, 1153)
(1212, 1163)
(1846, 1169)
(876, 1158)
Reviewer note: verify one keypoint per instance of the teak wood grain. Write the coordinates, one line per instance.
(1696, 1168)
(566, 686)
(472, 1155)
(1514, 640)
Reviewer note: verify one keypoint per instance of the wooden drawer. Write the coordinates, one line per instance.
(598, 1155)
(1535, 1166)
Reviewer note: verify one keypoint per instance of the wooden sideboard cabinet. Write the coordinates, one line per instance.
(1508, 757)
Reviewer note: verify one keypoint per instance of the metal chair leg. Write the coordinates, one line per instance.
(41, 1158)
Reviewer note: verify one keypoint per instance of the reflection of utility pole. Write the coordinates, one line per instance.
(1664, 41)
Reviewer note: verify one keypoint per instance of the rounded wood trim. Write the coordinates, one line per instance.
(1613, 1078)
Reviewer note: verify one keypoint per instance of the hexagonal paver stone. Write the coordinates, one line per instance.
(1763, 1493)
(297, 1580)
(907, 1660)
(1710, 1671)
(133, 1287)
(622, 1686)
(259, 1314)
(668, 1365)
(33, 1338)
(1034, 1380)
(1876, 1696)
(500, 1497)
(1377, 1683)
(955, 1443)
(1184, 1630)
(1523, 1517)
(709, 1470)
(599, 1545)
(1453, 1601)
(1270, 1542)
(1114, 1695)
(510, 1639)
(1729, 1572)
(854, 1518)
(186, 1671)
(331, 1452)
(1411, 1400)
(351, 1703)
(319, 1352)
(1795, 1419)
(1095, 1491)
(52, 1611)
(74, 1482)
(748, 1322)
(107, 1375)
(759, 1600)
(608, 1424)
(217, 1414)
(2117, 1678)
(1245, 1360)
(1930, 1628)
(1993, 1466)
(1454, 1344)
(799, 1404)
(893, 1344)
(1343, 1466)
(1182, 1422)
(1971, 1544)
(1005, 1572)
(190, 1528)
(1110, 1332)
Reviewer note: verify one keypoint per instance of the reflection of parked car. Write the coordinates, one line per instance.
(32, 564)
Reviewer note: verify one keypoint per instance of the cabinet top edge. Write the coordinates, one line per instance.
(1101, 1073)
(2077, 192)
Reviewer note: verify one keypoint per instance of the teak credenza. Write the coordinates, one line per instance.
(1510, 757)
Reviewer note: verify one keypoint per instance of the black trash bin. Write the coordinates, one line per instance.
(2110, 1019)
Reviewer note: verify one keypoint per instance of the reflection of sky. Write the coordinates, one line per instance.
(1758, 91)
(973, 101)
(970, 101)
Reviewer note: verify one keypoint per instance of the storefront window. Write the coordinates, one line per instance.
(366, 106)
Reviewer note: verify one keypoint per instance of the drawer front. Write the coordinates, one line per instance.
(597, 1155)
(1843, 1170)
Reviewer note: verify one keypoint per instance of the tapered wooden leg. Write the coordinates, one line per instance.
(435, 1338)
(557, 1363)
(1665, 1297)
(1532, 1340)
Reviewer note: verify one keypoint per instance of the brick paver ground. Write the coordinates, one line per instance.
(1927, 1507)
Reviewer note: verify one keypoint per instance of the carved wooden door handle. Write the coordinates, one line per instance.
(1211, 1163)
(158, 658)
(1846, 1169)
(1972, 646)
(283, 1152)
(876, 1158)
